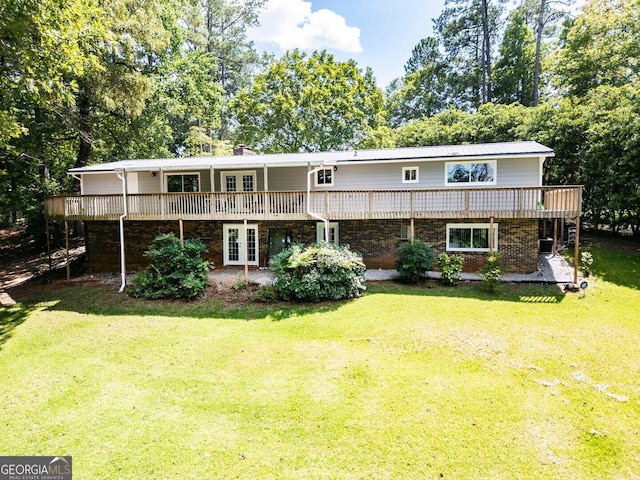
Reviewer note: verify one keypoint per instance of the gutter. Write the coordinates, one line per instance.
(309, 212)
(121, 176)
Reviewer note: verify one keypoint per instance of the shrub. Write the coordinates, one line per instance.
(586, 260)
(414, 258)
(318, 272)
(451, 267)
(491, 272)
(174, 271)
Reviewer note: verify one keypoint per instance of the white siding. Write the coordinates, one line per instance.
(514, 172)
(147, 183)
(287, 179)
(518, 172)
(101, 184)
(510, 172)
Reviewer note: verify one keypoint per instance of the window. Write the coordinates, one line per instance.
(470, 237)
(333, 232)
(410, 175)
(183, 182)
(405, 232)
(470, 173)
(324, 177)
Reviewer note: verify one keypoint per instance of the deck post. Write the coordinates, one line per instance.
(181, 226)
(66, 239)
(48, 233)
(491, 245)
(246, 254)
(412, 230)
(576, 251)
(554, 250)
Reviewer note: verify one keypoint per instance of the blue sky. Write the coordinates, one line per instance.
(376, 33)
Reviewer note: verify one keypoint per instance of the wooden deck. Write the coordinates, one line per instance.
(467, 203)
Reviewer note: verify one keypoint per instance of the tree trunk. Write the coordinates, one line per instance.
(536, 69)
(486, 54)
(84, 117)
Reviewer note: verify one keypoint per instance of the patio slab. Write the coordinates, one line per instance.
(551, 269)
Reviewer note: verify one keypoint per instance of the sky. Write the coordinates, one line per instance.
(375, 33)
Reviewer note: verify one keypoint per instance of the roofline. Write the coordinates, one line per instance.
(451, 158)
(416, 154)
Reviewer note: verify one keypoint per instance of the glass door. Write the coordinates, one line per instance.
(240, 244)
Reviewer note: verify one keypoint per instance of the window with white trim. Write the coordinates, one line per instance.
(183, 182)
(334, 231)
(324, 177)
(470, 237)
(405, 232)
(481, 173)
(410, 175)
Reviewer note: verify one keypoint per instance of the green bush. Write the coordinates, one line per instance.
(586, 260)
(491, 272)
(174, 271)
(414, 258)
(318, 272)
(450, 267)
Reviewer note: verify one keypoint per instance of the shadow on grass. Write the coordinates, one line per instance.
(104, 300)
(508, 292)
(12, 317)
(97, 299)
(616, 261)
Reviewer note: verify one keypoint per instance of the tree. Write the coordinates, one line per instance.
(220, 27)
(40, 49)
(602, 47)
(307, 104)
(421, 92)
(118, 85)
(513, 74)
(467, 30)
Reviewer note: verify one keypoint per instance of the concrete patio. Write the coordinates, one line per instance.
(551, 269)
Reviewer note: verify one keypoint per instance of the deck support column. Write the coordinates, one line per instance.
(554, 249)
(48, 233)
(576, 251)
(412, 230)
(491, 237)
(246, 253)
(181, 226)
(66, 240)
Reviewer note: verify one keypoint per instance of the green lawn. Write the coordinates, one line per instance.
(404, 383)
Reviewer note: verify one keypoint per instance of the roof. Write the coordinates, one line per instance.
(430, 153)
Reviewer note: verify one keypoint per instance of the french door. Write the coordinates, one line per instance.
(240, 244)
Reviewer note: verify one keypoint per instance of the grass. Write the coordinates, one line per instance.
(406, 382)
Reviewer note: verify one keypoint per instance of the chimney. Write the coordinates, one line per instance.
(243, 150)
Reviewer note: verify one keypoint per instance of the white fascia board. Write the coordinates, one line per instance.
(463, 158)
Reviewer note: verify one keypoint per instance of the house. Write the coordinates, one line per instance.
(463, 199)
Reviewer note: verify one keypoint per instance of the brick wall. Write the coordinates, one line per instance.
(376, 240)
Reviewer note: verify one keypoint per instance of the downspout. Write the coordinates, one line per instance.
(121, 176)
(309, 212)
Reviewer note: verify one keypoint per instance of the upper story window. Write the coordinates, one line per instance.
(324, 177)
(410, 175)
(183, 182)
(483, 173)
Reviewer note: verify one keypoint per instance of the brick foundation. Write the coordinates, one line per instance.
(376, 240)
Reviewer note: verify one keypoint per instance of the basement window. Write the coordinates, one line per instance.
(470, 237)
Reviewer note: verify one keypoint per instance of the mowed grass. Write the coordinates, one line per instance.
(406, 382)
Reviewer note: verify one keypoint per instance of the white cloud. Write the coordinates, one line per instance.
(292, 24)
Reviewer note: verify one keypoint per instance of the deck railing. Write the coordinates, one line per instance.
(525, 202)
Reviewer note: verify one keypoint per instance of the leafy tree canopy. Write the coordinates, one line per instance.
(308, 103)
